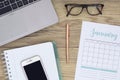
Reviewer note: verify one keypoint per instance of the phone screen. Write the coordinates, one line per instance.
(35, 71)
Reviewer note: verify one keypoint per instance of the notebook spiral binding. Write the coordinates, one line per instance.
(6, 67)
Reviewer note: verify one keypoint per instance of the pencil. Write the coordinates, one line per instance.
(67, 43)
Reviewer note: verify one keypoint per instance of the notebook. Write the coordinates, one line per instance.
(19, 18)
(47, 52)
(99, 52)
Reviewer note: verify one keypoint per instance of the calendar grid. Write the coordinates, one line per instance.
(100, 55)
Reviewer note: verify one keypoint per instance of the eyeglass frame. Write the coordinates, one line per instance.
(83, 6)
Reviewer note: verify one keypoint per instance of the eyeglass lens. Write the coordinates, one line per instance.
(94, 10)
(76, 10)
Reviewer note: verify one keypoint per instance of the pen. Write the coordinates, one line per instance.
(67, 42)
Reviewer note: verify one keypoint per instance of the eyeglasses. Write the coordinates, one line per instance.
(76, 9)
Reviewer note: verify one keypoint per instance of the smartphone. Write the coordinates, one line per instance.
(34, 69)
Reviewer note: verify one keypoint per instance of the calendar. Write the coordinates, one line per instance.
(99, 52)
(101, 55)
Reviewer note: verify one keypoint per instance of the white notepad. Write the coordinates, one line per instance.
(46, 51)
(99, 52)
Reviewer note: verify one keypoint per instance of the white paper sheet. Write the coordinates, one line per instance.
(99, 52)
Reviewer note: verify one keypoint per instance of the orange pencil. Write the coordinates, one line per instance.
(67, 42)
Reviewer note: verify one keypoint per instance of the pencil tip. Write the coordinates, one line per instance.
(67, 24)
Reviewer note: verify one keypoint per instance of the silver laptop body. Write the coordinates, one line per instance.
(25, 20)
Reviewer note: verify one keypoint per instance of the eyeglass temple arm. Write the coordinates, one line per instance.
(68, 11)
(100, 11)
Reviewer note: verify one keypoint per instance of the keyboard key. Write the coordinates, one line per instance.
(5, 10)
(12, 1)
(6, 3)
(2, 0)
(19, 4)
(30, 1)
(14, 6)
(1, 5)
(17, 0)
(25, 2)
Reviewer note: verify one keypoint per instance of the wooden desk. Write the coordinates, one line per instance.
(111, 15)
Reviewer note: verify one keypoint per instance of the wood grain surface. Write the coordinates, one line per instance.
(56, 32)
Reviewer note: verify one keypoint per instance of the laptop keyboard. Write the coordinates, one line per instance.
(11, 5)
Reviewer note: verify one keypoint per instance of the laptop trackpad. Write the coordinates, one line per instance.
(12, 27)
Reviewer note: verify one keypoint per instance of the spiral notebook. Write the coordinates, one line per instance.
(48, 53)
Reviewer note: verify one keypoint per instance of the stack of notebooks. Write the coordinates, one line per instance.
(47, 52)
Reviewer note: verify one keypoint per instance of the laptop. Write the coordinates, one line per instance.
(19, 18)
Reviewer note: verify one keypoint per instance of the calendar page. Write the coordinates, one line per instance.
(99, 52)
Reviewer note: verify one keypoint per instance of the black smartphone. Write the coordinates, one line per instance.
(34, 69)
